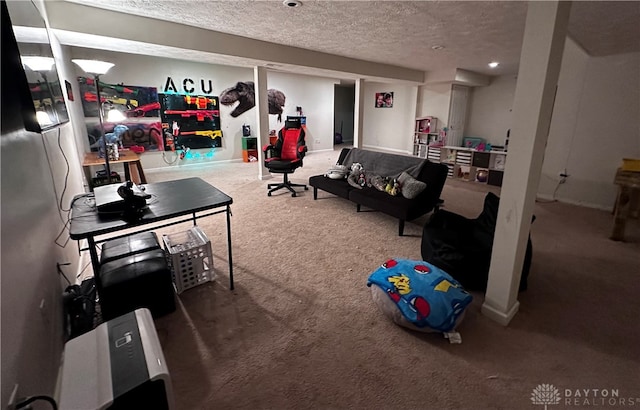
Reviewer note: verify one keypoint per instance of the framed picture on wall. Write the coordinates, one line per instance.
(384, 99)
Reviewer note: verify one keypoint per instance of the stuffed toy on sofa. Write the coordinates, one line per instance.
(337, 172)
(357, 177)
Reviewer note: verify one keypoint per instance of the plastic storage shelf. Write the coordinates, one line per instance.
(190, 258)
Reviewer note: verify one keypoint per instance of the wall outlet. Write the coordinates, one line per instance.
(562, 176)
(317, 141)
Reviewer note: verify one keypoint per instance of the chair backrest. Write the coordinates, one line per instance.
(289, 139)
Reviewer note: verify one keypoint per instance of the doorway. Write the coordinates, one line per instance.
(343, 104)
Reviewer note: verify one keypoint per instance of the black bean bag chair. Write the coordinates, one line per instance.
(462, 247)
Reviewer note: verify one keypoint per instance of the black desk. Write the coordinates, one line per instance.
(185, 199)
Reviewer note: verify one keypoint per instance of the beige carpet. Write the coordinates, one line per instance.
(301, 331)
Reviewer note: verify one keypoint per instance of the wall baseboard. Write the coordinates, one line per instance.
(383, 149)
(550, 198)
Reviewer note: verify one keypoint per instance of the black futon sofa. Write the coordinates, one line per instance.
(433, 174)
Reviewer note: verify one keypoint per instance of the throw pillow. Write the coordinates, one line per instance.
(411, 187)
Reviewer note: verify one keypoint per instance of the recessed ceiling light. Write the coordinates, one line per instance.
(292, 3)
(494, 64)
(437, 47)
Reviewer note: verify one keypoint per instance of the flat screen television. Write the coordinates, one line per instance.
(37, 90)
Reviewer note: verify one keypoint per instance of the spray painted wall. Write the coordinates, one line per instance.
(313, 94)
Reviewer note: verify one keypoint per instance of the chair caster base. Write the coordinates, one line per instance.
(286, 185)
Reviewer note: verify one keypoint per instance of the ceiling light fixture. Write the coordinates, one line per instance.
(292, 3)
(437, 47)
(494, 64)
(35, 63)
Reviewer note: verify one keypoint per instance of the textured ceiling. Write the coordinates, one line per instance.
(400, 33)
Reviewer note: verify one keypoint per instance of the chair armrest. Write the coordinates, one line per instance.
(269, 152)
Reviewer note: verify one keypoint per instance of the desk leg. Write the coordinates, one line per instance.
(95, 262)
(131, 173)
(127, 172)
(143, 179)
(87, 175)
(634, 203)
(229, 246)
(622, 210)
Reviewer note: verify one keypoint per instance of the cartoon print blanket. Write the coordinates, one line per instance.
(425, 294)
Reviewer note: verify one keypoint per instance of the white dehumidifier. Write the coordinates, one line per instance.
(118, 365)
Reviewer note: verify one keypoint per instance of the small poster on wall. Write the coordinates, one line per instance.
(384, 99)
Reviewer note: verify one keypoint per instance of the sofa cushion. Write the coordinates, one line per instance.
(410, 187)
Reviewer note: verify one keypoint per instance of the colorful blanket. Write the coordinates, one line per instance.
(425, 294)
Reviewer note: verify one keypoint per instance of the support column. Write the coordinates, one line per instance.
(262, 117)
(540, 60)
(358, 111)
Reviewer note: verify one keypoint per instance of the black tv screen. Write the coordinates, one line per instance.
(38, 89)
(16, 91)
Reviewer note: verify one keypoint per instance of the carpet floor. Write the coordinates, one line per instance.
(300, 330)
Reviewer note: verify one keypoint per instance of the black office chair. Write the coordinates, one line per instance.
(286, 155)
(462, 247)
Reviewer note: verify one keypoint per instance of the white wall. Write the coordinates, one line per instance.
(389, 129)
(489, 114)
(595, 123)
(33, 178)
(315, 96)
(434, 101)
